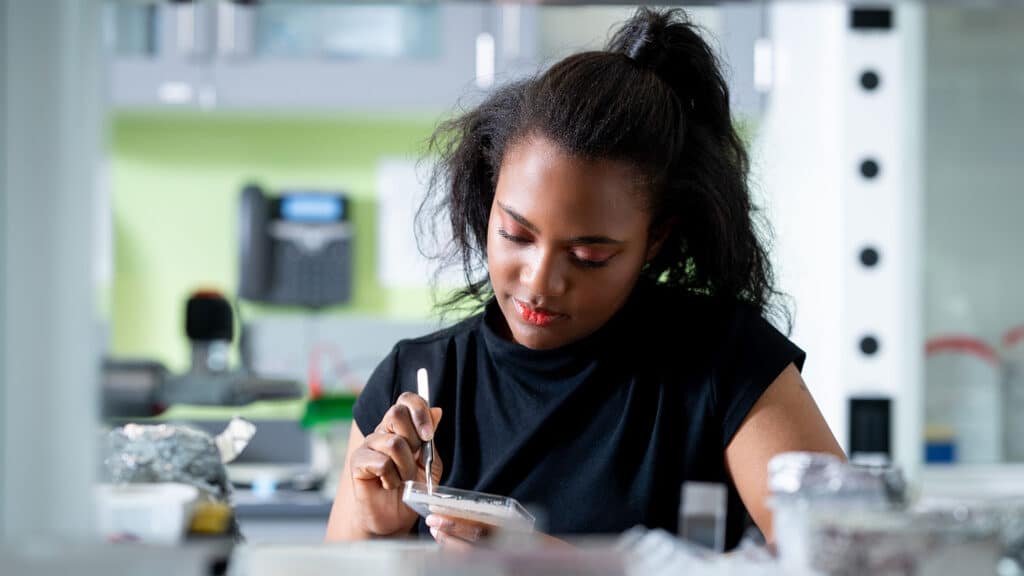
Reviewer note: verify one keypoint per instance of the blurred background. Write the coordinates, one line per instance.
(207, 213)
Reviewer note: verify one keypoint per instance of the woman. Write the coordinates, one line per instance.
(622, 346)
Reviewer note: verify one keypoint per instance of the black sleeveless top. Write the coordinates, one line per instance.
(597, 436)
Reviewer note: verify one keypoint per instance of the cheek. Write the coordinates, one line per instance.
(607, 287)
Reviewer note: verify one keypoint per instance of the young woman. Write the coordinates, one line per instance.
(622, 346)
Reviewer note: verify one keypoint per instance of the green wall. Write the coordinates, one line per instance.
(175, 181)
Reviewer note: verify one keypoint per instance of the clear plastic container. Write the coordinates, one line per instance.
(899, 542)
(474, 506)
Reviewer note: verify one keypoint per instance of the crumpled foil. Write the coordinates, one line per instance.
(824, 478)
(142, 453)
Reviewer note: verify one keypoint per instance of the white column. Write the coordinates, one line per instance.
(820, 124)
(883, 213)
(50, 64)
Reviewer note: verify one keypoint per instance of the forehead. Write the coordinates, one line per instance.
(542, 182)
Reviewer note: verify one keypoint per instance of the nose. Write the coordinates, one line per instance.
(545, 274)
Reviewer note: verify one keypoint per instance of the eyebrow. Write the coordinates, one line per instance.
(574, 240)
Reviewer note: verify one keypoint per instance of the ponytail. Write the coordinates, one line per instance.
(670, 46)
(707, 189)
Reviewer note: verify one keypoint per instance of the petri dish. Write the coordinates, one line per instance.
(488, 509)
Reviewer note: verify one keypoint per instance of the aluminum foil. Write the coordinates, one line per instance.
(825, 478)
(808, 487)
(141, 453)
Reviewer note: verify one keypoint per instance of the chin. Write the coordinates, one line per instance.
(538, 341)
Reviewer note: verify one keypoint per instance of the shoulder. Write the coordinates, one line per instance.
(439, 341)
(723, 330)
(729, 341)
(438, 351)
(396, 373)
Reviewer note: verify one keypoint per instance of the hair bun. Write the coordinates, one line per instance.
(641, 38)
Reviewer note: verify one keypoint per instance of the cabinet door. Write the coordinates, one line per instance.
(295, 56)
(158, 54)
(403, 57)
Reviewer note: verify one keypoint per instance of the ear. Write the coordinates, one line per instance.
(655, 240)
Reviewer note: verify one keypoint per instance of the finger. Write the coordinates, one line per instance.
(420, 412)
(396, 448)
(467, 530)
(449, 542)
(436, 471)
(369, 464)
(398, 420)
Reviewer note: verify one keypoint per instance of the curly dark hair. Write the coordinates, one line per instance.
(654, 99)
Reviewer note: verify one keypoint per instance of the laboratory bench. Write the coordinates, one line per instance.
(648, 553)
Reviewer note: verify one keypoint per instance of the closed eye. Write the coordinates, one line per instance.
(586, 263)
(579, 260)
(592, 256)
(512, 238)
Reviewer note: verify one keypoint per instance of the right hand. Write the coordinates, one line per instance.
(389, 457)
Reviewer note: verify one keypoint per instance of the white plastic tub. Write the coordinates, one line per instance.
(152, 513)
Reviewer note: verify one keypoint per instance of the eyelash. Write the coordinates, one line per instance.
(590, 263)
(581, 261)
(511, 238)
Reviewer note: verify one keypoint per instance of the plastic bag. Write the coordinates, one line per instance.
(660, 553)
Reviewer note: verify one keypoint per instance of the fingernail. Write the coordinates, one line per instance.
(433, 532)
(433, 521)
(426, 433)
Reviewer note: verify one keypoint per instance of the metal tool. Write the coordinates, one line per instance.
(423, 388)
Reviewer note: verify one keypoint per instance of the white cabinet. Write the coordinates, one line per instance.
(159, 55)
(294, 56)
(278, 55)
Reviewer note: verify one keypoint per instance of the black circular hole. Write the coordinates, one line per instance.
(869, 80)
(869, 168)
(869, 257)
(869, 345)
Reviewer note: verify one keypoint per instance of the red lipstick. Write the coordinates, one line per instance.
(535, 316)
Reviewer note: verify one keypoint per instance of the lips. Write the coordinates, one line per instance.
(535, 316)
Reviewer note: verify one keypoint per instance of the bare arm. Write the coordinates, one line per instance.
(784, 419)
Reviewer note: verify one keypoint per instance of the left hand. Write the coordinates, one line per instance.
(458, 533)
(461, 534)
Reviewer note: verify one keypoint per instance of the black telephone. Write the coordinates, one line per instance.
(294, 249)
